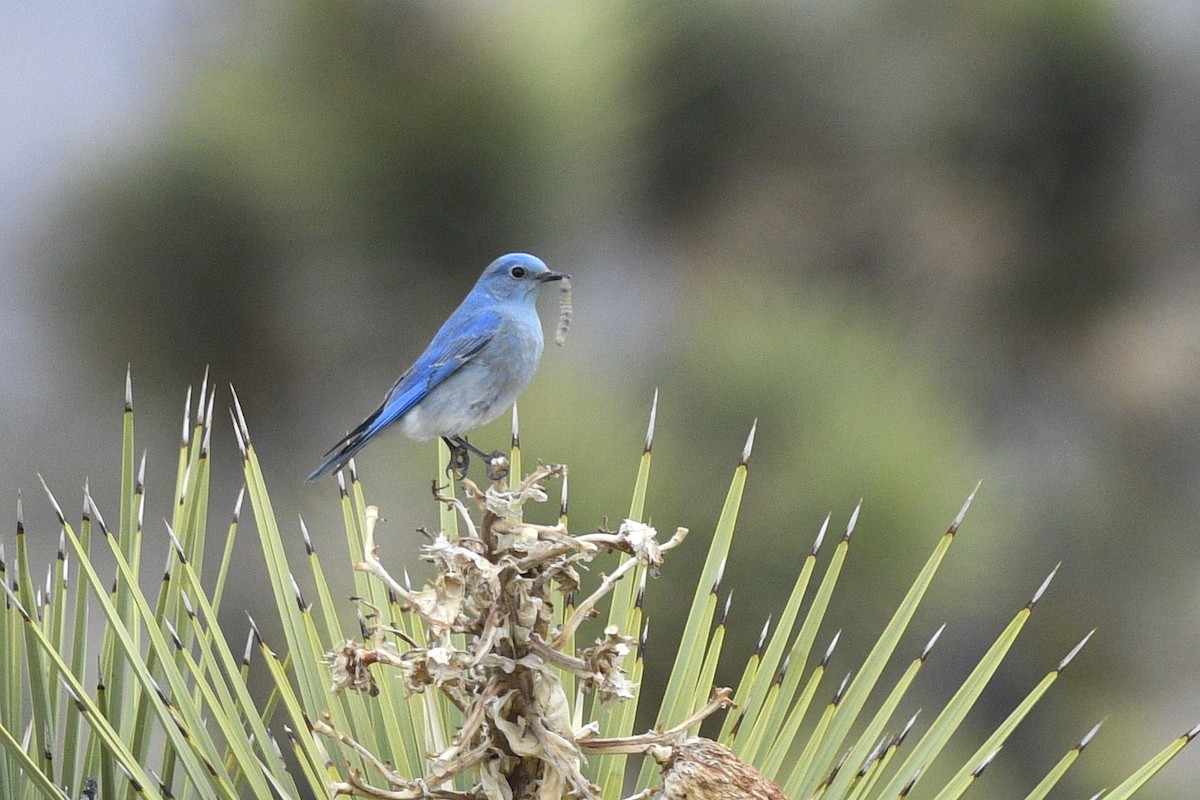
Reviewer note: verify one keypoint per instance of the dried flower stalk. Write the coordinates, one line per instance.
(494, 585)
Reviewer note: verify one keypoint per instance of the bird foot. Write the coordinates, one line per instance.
(460, 459)
(497, 466)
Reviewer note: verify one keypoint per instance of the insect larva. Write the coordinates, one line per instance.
(564, 311)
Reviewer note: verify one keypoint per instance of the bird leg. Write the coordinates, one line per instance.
(460, 458)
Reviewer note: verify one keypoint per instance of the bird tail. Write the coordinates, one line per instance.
(341, 453)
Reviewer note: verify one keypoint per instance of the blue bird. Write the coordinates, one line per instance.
(477, 365)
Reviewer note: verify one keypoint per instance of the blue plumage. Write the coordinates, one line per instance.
(478, 363)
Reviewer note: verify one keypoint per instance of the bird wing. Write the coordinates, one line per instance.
(444, 356)
(455, 344)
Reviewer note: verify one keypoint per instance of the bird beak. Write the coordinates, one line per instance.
(552, 276)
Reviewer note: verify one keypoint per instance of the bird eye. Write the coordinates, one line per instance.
(517, 272)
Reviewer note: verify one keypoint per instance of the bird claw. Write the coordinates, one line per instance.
(460, 459)
(497, 466)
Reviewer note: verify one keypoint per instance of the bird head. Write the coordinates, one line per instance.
(516, 276)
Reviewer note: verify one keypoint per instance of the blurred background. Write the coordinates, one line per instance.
(922, 244)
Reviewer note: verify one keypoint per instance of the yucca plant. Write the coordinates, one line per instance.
(478, 684)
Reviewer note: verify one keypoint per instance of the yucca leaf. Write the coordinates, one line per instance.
(676, 700)
(399, 717)
(56, 595)
(637, 503)
(1148, 770)
(313, 759)
(100, 759)
(1055, 775)
(303, 754)
(11, 704)
(514, 449)
(708, 672)
(100, 725)
(805, 763)
(802, 646)
(35, 667)
(193, 512)
(363, 723)
(72, 774)
(353, 513)
(329, 618)
(227, 553)
(227, 680)
(880, 654)
(626, 615)
(180, 701)
(859, 753)
(139, 737)
(310, 683)
(406, 713)
(123, 702)
(561, 604)
(447, 519)
(732, 723)
(216, 698)
(997, 738)
(769, 673)
(959, 784)
(943, 727)
(864, 779)
(785, 740)
(32, 771)
(770, 700)
(192, 700)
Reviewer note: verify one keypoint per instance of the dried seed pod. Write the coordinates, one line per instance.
(701, 769)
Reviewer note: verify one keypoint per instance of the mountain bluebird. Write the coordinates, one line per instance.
(481, 359)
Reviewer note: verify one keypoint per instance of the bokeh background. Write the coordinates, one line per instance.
(922, 244)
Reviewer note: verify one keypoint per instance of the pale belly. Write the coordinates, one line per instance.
(478, 392)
